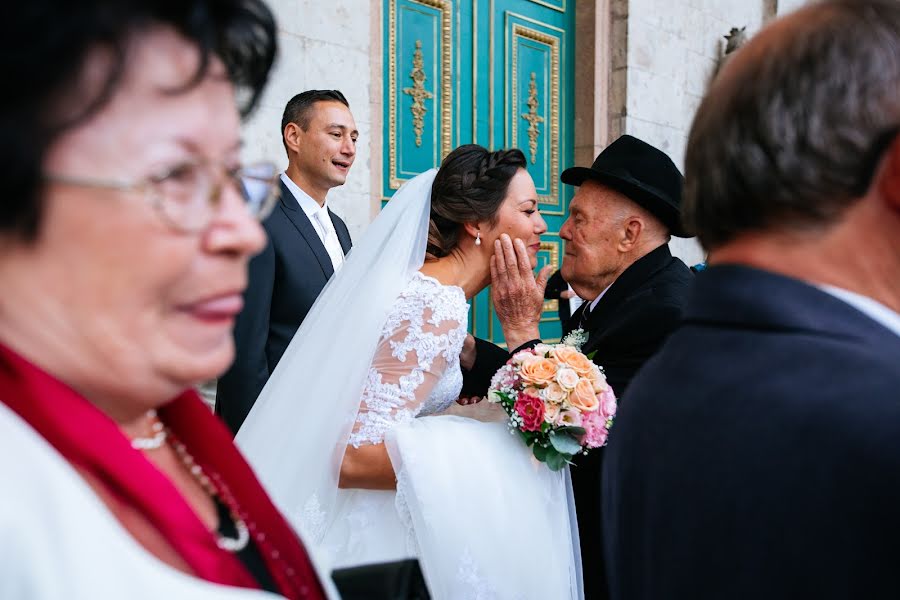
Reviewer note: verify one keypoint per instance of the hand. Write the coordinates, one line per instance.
(467, 355)
(467, 401)
(517, 295)
(567, 294)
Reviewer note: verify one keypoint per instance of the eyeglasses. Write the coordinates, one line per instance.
(187, 195)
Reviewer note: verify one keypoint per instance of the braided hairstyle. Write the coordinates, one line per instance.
(470, 186)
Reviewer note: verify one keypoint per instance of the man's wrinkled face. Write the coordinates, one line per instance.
(592, 233)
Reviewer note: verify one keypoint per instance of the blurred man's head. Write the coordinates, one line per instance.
(799, 131)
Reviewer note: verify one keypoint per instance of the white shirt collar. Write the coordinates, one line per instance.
(309, 206)
(872, 308)
(597, 299)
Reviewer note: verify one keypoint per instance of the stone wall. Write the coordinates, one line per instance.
(672, 50)
(326, 45)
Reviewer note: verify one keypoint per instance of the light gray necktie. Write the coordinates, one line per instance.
(329, 239)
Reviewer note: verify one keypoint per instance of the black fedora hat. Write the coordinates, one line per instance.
(641, 172)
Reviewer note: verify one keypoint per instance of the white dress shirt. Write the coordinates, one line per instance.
(872, 308)
(321, 221)
(597, 299)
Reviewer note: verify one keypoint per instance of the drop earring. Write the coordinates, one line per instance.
(478, 238)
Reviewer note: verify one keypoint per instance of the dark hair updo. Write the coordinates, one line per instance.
(470, 186)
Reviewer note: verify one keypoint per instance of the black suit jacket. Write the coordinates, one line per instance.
(758, 454)
(628, 325)
(284, 281)
(556, 285)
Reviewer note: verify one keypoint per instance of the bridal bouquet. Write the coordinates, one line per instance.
(557, 400)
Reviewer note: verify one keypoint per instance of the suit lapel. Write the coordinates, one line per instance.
(304, 227)
(343, 234)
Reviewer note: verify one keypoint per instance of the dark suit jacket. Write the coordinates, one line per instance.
(285, 280)
(556, 285)
(628, 325)
(758, 454)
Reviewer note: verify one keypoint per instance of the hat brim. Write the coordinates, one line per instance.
(649, 198)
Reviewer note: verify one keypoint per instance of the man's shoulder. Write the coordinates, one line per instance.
(665, 292)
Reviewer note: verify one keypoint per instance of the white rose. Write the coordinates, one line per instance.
(542, 349)
(520, 357)
(567, 378)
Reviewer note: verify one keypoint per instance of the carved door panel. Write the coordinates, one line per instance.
(493, 72)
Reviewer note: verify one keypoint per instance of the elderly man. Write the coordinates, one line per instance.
(617, 258)
(758, 454)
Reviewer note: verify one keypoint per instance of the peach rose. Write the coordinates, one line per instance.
(554, 393)
(599, 381)
(567, 378)
(539, 371)
(583, 397)
(530, 390)
(574, 359)
(551, 413)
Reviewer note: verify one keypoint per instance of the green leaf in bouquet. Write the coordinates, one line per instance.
(591, 355)
(572, 430)
(556, 460)
(540, 452)
(564, 443)
(504, 397)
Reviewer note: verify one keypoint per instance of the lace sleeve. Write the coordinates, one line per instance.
(415, 349)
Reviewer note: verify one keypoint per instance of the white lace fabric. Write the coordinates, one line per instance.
(415, 370)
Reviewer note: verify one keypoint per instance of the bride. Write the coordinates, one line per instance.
(342, 435)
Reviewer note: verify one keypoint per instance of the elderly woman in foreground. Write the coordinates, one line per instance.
(125, 230)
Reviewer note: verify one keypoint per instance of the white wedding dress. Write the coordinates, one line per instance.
(485, 519)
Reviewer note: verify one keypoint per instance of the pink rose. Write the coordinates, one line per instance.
(595, 432)
(531, 410)
(521, 356)
(608, 403)
(569, 418)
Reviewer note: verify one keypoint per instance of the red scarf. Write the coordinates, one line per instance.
(91, 441)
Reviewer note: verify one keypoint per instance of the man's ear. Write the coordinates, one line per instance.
(889, 181)
(291, 135)
(630, 233)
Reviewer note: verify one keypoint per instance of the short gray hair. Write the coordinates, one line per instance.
(793, 136)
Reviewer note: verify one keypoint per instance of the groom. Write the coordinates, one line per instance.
(307, 243)
(617, 258)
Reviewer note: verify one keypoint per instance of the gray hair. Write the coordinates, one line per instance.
(792, 134)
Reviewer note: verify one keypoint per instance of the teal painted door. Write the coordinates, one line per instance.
(494, 72)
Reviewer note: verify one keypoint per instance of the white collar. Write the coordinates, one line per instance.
(597, 299)
(872, 308)
(306, 202)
